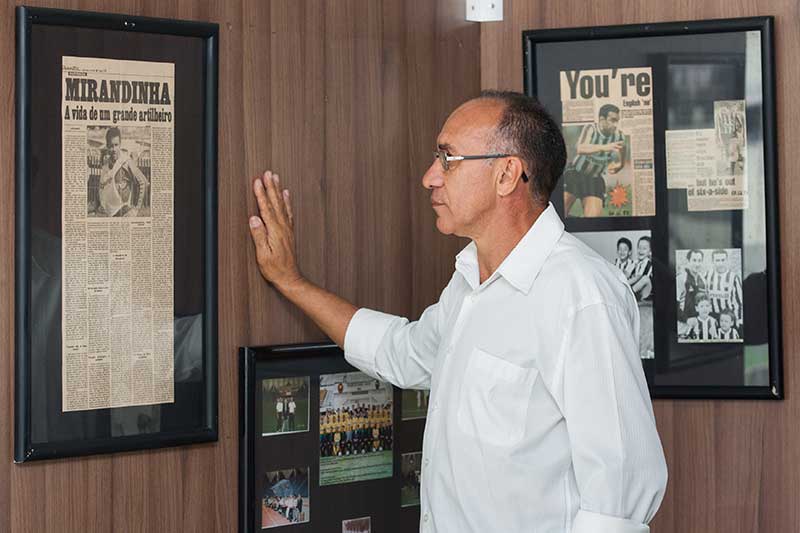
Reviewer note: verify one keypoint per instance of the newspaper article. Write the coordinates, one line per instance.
(608, 128)
(711, 163)
(691, 155)
(117, 220)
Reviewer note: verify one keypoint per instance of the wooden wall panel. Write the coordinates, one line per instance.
(344, 100)
(443, 59)
(733, 465)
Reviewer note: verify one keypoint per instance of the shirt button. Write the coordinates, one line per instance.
(427, 461)
(425, 518)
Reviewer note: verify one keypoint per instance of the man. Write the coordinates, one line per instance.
(724, 287)
(690, 284)
(279, 414)
(539, 415)
(292, 409)
(600, 151)
(299, 500)
(116, 180)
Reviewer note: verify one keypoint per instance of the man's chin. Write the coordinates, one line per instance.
(443, 227)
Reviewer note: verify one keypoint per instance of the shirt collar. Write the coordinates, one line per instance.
(525, 261)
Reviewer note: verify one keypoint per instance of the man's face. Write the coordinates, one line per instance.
(643, 248)
(703, 308)
(115, 147)
(608, 124)
(623, 251)
(721, 263)
(725, 322)
(463, 195)
(696, 263)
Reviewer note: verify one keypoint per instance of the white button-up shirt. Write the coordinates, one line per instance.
(539, 417)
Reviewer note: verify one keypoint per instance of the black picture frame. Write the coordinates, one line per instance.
(330, 504)
(43, 35)
(700, 372)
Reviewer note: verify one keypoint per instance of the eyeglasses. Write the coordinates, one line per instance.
(445, 158)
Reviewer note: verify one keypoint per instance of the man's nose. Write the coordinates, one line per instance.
(433, 176)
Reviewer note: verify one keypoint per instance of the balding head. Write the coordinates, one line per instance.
(503, 140)
(525, 129)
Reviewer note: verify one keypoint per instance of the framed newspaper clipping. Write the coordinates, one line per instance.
(116, 233)
(672, 176)
(323, 446)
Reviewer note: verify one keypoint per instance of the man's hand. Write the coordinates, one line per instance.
(273, 235)
(273, 232)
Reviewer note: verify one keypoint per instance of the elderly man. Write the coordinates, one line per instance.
(539, 416)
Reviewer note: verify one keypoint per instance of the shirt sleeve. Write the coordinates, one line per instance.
(616, 452)
(392, 349)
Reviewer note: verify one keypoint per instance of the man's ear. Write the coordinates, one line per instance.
(509, 175)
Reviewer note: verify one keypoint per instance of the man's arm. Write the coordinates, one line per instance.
(583, 146)
(273, 235)
(387, 347)
(140, 178)
(615, 167)
(616, 452)
(107, 177)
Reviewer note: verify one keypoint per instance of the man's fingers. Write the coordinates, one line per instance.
(274, 195)
(259, 234)
(264, 208)
(288, 205)
(279, 198)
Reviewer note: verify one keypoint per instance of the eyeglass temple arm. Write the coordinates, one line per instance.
(467, 157)
(488, 156)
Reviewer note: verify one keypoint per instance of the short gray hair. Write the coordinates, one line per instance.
(528, 131)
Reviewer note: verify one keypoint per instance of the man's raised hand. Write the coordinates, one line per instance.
(273, 232)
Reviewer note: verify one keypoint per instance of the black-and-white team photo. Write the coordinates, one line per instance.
(631, 252)
(708, 287)
(118, 171)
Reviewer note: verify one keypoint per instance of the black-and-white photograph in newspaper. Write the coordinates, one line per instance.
(711, 163)
(708, 286)
(118, 171)
(730, 129)
(285, 500)
(607, 123)
(118, 246)
(631, 252)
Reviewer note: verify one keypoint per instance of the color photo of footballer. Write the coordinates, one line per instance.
(285, 500)
(356, 433)
(631, 252)
(708, 286)
(598, 178)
